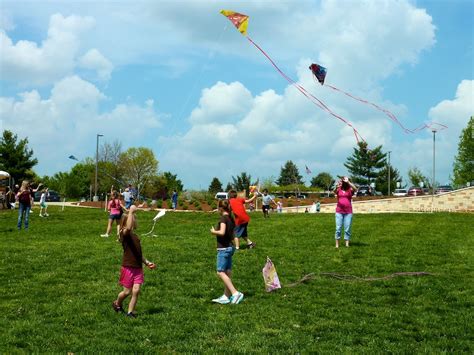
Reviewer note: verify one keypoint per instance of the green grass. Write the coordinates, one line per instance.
(58, 281)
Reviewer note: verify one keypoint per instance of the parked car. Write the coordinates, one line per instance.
(415, 191)
(221, 196)
(400, 192)
(52, 196)
(365, 190)
(444, 188)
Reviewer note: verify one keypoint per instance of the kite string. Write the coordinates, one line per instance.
(307, 94)
(357, 278)
(388, 113)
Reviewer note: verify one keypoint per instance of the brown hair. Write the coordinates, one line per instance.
(224, 205)
(232, 194)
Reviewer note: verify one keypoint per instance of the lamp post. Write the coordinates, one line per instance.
(388, 168)
(96, 198)
(434, 168)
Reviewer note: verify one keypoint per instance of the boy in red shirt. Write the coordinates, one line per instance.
(241, 217)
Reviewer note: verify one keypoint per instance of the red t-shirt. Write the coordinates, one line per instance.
(344, 201)
(238, 208)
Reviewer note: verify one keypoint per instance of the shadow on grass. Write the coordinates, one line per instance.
(359, 244)
(154, 310)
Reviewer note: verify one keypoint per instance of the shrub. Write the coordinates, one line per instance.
(159, 203)
(185, 207)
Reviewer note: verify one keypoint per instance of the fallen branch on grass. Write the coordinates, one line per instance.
(356, 278)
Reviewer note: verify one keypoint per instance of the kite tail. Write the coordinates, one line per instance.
(307, 94)
(390, 114)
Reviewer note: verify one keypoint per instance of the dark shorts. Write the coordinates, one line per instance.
(115, 217)
(265, 208)
(241, 230)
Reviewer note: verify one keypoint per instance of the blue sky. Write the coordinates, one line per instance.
(176, 77)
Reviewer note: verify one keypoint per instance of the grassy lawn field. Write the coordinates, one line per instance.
(59, 279)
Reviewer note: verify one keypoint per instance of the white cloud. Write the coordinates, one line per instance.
(67, 121)
(94, 60)
(28, 64)
(453, 113)
(222, 103)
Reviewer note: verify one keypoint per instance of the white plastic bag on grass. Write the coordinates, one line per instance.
(270, 276)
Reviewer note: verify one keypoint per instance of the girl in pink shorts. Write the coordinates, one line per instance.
(131, 273)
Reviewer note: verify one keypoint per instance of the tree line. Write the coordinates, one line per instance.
(138, 166)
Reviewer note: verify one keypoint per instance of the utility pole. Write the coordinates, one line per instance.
(96, 198)
(434, 169)
(388, 168)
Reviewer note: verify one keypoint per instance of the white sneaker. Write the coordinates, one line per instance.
(46, 215)
(222, 300)
(237, 298)
(41, 215)
(104, 235)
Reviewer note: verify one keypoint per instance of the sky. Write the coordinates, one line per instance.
(178, 78)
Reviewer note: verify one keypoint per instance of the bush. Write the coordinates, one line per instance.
(159, 203)
(290, 204)
(185, 207)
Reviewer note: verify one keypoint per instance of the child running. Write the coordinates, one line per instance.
(131, 273)
(43, 204)
(242, 219)
(115, 213)
(266, 200)
(225, 249)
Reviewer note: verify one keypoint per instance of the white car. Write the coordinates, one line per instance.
(221, 196)
(400, 192)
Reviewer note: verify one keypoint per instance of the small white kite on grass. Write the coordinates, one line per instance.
(270, 276)
(160, 214)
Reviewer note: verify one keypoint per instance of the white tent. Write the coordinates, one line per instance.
(4, 175)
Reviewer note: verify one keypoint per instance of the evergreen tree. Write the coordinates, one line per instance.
(463, 167)
(382, 179)
(241, 182)
(228, 187)
(172, 182)
(15, 157)
(364, 165)
(215, 186)
(289, 175)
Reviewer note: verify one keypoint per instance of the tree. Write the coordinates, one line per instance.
(463, 167)
(172, 182)
(416, 177)
(15, 157)
(138, 165)
(215, 186)
(289, 175)
(110, 171)
(229, 187)
(364, 165)
(268, 183)
(241, 182)
(323, 180)
(382, 179)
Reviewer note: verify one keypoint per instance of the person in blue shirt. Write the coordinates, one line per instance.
(174, 200)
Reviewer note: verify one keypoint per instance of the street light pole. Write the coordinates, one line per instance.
(388, 168)
(96, 198)
(434, 169)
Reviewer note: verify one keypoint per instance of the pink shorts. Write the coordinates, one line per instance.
(130, 276)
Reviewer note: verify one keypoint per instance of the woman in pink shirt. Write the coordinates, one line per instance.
(116, 209)
(344, 191)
